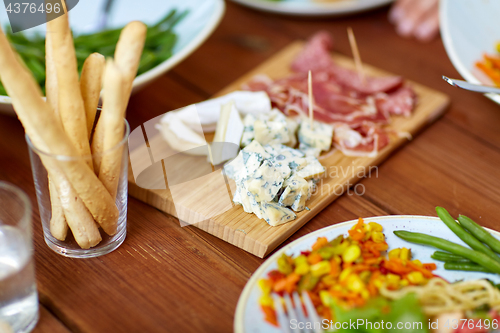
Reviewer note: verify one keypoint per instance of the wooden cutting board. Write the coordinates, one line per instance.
(245, 230)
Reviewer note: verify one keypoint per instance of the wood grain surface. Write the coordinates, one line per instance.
(165, 278)
(213, 212)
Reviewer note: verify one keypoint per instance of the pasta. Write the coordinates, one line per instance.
(439, 296)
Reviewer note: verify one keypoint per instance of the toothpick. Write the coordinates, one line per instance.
(355, 53)
(210, 157)
(311, 107)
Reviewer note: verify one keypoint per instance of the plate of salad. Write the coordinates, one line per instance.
(314, 7)
(175, 29)
(471, 36)
(424, 272)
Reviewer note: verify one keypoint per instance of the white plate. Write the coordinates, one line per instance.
(312, 8)
(249, 317)
(470, 28)
(192, 31)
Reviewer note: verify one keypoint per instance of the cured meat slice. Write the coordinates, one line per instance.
(400, 102)
(315, 55)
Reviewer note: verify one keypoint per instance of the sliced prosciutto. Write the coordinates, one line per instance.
(316, 55)
(356, 108)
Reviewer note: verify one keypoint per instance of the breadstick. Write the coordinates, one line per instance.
(112, 117)
(58, 225)
(80, 221)
(128, 53)
(127, 57)
(47, 135)
(90, 85)
(70, 100)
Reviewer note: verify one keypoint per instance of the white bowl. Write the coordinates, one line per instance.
(192, 31)
(312, 8)
(470, 28)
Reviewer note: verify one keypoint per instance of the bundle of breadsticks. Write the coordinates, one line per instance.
(82, 190)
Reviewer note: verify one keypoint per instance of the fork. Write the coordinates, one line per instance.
(295, 320)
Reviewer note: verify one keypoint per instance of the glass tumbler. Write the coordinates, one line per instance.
(18, 295)
(71, 208)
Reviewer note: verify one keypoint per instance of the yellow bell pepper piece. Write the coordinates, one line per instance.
(415, 277)
(321, 268)
(394, 253)
(378, 237)
(405, 254)
(376, 227)
(266, 300)
(355, 284)
(351, 253)
(265, 286)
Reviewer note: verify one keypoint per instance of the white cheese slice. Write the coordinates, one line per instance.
(181, 137)
(253, 102)
(227, 135)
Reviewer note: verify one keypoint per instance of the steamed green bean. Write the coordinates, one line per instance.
(160, 41)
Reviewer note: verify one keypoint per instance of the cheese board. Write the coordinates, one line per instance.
(235, 226)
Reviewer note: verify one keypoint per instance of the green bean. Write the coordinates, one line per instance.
(468, 239)
(453, 266)
(445, 245)
(480, 233)
(448, 258)
(447, 255)
(160, 41)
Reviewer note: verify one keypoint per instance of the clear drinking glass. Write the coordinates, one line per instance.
(69, 247)
(18, 296)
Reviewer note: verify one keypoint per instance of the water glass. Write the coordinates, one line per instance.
(18, 294)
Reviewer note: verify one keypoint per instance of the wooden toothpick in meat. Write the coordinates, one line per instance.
(357, 57)
(311, 99)
(90, 86)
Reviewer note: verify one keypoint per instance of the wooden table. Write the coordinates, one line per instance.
(165, 278)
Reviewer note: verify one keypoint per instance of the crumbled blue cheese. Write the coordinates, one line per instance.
(265, 183)
(248, 131)
(319, 136)
(271, 178)
(269, 128)
(296, 193)
(274, 214)
(313, 169)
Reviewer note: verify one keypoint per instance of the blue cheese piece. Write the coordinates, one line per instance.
(312, 188)
(233, 167)
(247, 162)
(319, 136)
(274, 214)
(271, 132)
(265, 183)
(248, 130)
(287, 156)
(256, 147)
(313, 169)
(295, 193)
(309, 151)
